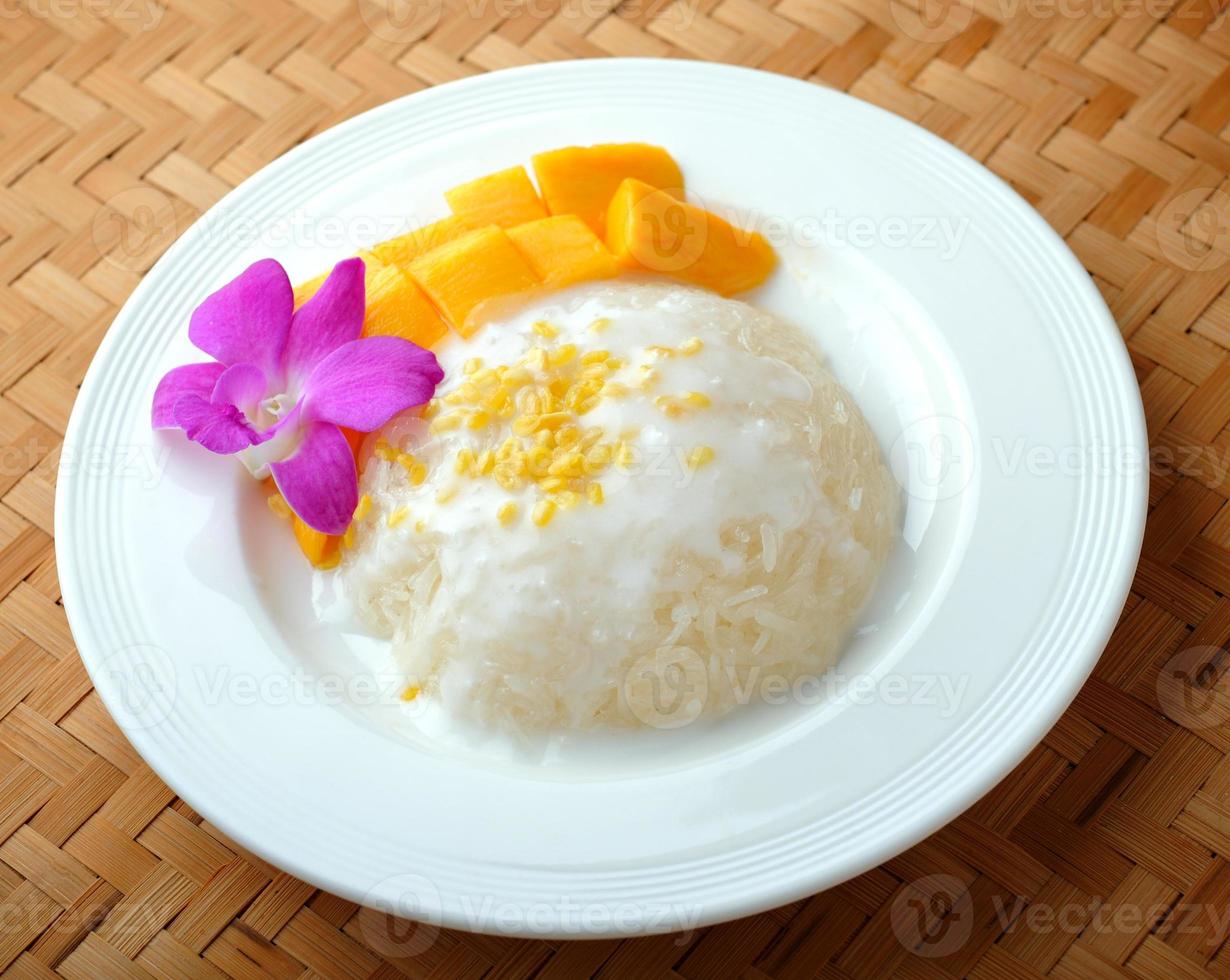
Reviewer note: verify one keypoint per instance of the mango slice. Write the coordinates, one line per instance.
(504, 198)
(563, 250)
(650, 229)
(306, 290)
(581, 180)
(404, 249)
(397, 307)
(476, 267)
(322, 550)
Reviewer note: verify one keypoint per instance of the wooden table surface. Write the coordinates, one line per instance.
(1102, 855)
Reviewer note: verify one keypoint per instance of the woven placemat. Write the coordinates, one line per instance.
(1100, 856)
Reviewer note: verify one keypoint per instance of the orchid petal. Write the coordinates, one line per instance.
(188, 379)
(241, 385)
(332, 317)
(364, 383)
(221, 429)
(279, 441)
(319, 480)
(247, 319)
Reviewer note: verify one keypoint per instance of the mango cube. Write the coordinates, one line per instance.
(322, 550)
(581, 180)
(649, 229)
(397, 307)
(476, 267)
(504, 198)
(404, 249)
(563, 250)
(306, 290)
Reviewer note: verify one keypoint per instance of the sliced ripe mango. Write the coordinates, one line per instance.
(649, 229)
(504, 198)
(476, 267)
(404, 249)
(562, 250)
(397, 307)
(306, 290)
(581, 180)
(322, 550)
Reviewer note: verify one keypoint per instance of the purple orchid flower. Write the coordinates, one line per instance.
(284, 381)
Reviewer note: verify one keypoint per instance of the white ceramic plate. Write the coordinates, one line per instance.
(974, 342)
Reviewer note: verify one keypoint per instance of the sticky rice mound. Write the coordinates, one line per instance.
(743, 511)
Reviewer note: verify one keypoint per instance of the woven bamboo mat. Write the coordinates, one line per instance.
(1102, 855)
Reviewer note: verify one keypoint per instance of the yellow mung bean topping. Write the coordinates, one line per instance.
(541, 402)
